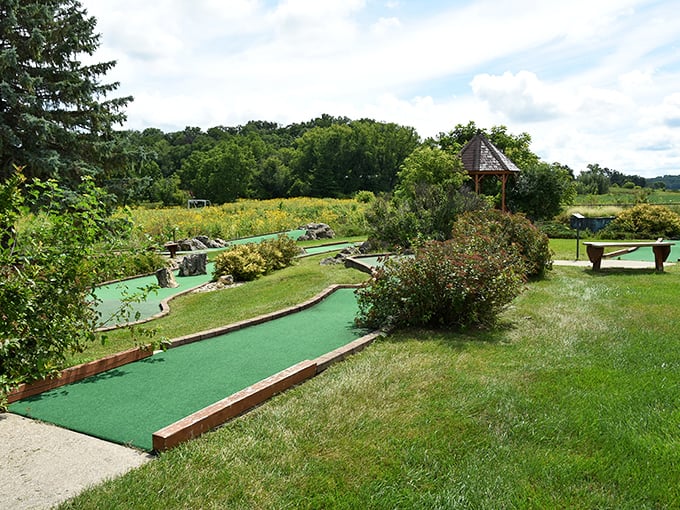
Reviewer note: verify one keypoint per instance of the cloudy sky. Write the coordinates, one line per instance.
(592, 81)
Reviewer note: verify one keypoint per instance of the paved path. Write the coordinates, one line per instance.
(42, 465)
(608, 263)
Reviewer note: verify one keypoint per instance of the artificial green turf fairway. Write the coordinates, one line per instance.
(128, 404)
(110, 296)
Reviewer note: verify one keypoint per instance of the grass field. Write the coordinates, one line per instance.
(623, 196)
(571, 403)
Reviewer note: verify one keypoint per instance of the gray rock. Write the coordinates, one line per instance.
(166, 278)
(316, 231)
(191, 245)
(193, 264)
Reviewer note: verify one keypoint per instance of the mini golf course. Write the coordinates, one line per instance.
(646, 254)
(135, 403)
(108, 297)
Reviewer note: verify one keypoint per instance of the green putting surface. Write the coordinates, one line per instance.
(646, 254)
(315, 250)
(128, 404)
(110, 296)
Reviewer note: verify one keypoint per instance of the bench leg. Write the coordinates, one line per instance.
(660, 255)
(595, 255)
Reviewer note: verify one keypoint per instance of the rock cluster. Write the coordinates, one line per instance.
(223, 282)
(200, 243)
(316, 231)
(340, 257)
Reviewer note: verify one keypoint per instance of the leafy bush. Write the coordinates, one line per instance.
(242, 261)
(453, 284)
(427, 213)
(507, 230)
(558, 230)
(278, 253)
(364, 197)
(46, 278)
(246, 262)
(643, 221)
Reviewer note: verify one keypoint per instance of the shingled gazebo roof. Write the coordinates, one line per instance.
(480, 155)
(481, 158)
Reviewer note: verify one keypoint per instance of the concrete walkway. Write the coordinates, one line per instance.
(611, 263)
(43, 465)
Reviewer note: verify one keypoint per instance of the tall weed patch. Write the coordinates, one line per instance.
(251, 217)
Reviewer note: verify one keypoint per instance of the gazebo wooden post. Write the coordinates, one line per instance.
(480, 157)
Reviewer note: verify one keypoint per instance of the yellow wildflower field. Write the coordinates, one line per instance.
(251, 217)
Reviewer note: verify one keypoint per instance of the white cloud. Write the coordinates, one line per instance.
(590, 81)
(385, 25)
(521, 97)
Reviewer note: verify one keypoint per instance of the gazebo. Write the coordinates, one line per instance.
(481, 158)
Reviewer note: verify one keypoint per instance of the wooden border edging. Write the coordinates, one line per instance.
(79, 372)
(339, 354)
(210, 333)
(234, 405)
(218, 413)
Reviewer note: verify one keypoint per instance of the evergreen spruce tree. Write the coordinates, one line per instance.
(55, 118)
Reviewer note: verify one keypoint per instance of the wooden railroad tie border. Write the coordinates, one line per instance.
(230, 407)
(260, 319)
(218, 413)
(79, 372)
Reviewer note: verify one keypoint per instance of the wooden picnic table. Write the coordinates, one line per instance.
(596, 251)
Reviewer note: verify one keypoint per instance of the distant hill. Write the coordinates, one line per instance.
(671, 181)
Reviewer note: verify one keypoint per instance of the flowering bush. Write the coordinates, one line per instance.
(503, 229)
(278, 253)
(453, 284)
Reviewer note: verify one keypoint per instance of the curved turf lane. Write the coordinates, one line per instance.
(128, 404)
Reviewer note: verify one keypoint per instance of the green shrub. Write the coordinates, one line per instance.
(452, 284)
(643, 221)
(557, 230)
(242, 261)
(246, 262)
(278, 253)
(364, 197)
(507, 230)
(427, 212)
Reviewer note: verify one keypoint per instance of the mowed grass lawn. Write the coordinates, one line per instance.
(573, 402)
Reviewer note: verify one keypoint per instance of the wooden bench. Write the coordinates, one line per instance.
(596, 252)
(173, 248)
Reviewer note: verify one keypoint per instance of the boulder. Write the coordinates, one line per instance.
(191, 245)
(316, 231)
(340, 257)
(166, 278)
(193, 264)
(225, 280)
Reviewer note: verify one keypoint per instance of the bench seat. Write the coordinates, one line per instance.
(596, 253)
